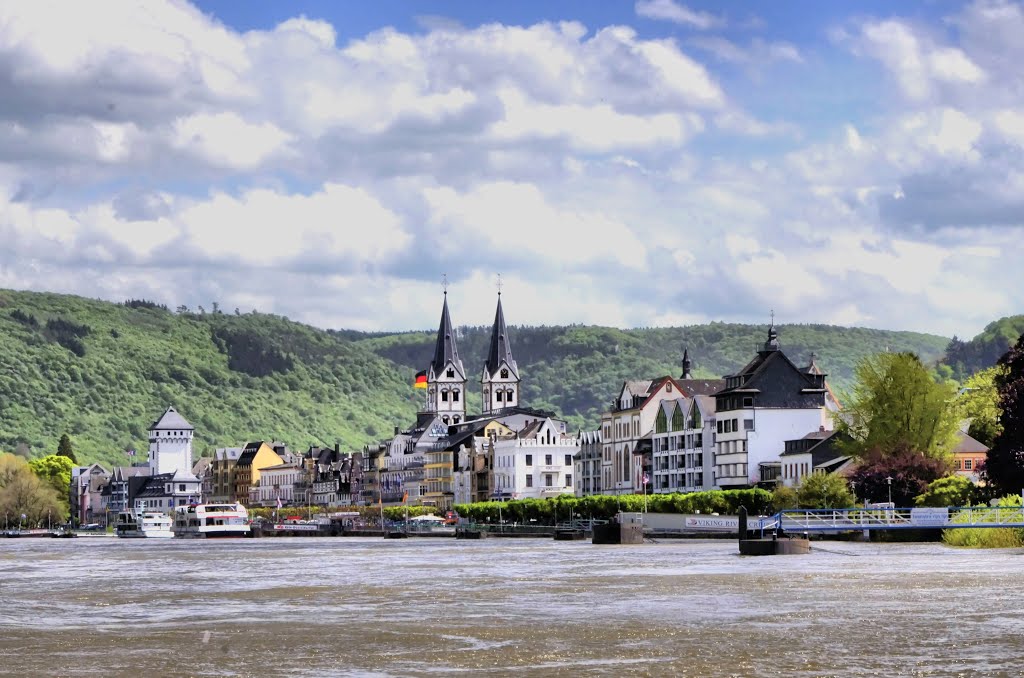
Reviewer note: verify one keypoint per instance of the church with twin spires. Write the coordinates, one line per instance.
(449, 456)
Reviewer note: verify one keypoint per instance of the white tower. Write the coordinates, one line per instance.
(170, 443)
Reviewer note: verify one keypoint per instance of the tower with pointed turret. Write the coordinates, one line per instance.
(499, 383)
(446, 378)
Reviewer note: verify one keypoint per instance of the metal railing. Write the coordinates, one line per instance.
(885, 518)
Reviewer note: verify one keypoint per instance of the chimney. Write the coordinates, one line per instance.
(396, 431)
(337, 449)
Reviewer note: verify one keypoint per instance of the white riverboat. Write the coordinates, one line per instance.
(143, 524)
(211, 520)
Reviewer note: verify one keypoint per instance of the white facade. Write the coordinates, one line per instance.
(636, 407)
(536, 464)
(278, 483)
(168, 491)
(752, 436)
(683, 445)
(170, 444)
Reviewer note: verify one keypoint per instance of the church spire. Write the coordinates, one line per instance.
(686, 364)
(773, 337)
(501, 349)
(445, 349)
(446, 377)
(500, 379)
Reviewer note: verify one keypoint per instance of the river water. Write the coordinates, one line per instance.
(439, 607)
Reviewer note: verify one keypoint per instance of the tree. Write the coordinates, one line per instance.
(1003, 471)
(54, 470)
(784, 497)
(911, 472)
(895, 402)
(948, 491)
(64, 448)
(824, 490)
(979, 402)
(22, 493)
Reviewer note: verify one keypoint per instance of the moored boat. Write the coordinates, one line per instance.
(143, 525)
(207, 521)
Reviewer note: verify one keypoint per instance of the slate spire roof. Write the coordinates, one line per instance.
(445, 349)
(686, 365)
(501, 349)
(171, 420)
(773, 338)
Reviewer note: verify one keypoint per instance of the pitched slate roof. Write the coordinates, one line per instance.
(965, 444)
(703, 387)
(445, 350)
(249, 453)
(171, 420)
(500, 349)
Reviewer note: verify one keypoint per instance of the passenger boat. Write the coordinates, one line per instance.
(211, 520)
(143, 524)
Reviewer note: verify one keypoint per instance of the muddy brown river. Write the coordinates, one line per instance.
(440, 607)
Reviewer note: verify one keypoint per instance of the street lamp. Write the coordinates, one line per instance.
(888, 480)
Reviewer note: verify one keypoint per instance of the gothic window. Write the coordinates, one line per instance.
(450, 373)
(508, 396)
(455, 395)
(455, 420)
(504, 373)
(444, 396)
(498, 395)
(445, 420)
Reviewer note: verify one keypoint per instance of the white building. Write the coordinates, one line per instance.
(535, 462)
(622, 429)
(768, 402)
(170, 444)
(167, 491)
(277, 484)
(588, 464)
(683, 445)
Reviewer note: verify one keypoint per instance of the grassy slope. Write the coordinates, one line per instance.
(105, 400)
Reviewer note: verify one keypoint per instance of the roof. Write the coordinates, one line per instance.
(123, 472)
(278, 467)
(965, 444)
(703, 387)
(171, 420)
(445, 349)
(225, 453)
(500, 349)
(183, 476)
(249, 453)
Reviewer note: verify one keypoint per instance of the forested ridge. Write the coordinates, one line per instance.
(101, 372)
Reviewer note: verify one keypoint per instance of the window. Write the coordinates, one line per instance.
(444, 396)
(547, 459)
(549, 480)
(748, 424)
(568, 480)
(719, 426)
(529, 460)
(181, 487)
(967, 464)
(455, 396)
(748, 401)
(568, 460)
(529, 480)
(504, 373)
(957, 464)
(451, 373)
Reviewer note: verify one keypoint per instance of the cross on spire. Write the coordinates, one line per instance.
(444, 283)
(499, 284)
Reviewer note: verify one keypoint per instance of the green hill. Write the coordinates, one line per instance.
(101, 372)
(983, 351)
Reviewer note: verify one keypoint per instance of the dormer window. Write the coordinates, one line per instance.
(450, 373)
(504, 373)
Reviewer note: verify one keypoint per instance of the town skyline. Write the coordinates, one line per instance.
(633, 164)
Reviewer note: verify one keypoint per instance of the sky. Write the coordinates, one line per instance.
(630, 164)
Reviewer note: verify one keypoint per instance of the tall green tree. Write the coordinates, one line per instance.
(1003, 471)
(64, 448)
(824, 490)
(895, 402)
(55, 471)
(979, 402)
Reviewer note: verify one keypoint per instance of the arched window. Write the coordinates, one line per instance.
(445, 420)
(455, 419)
(455, 395)
(509, 397)
(444, 396)
(499, 395)
(504, 373)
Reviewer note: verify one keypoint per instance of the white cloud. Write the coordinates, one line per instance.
(669, 10)
(227, 140)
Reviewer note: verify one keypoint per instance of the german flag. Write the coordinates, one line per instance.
(421, 379)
